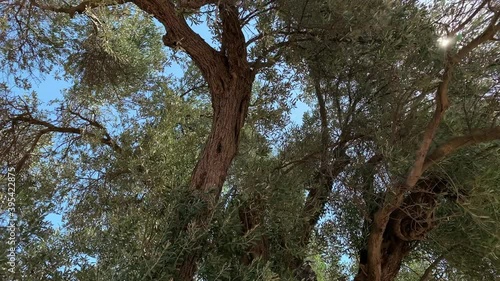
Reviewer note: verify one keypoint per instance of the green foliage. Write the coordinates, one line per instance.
(121, 47)
(119, 166)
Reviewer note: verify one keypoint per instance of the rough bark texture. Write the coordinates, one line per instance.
(211, 169)
(230, 79)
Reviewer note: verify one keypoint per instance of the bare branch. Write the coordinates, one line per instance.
(71, 130)
(193, 88)
(246, 19)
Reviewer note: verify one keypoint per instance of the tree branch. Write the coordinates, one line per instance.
(53, 128)
(441, 106)
(469, 19)
(180, 36)
(488, 34)
(26, 155)
(442, 99)
(197, 4)
(80, 8)
(430, 268)
(381, 217)
(454, 144)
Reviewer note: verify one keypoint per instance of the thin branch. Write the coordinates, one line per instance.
(316, 154)
(254, 39)
(260, 62)
(428, 271)
(469, 19)
(26, 156)
(90, 121)
(441, 106)
(298, 161)
(325, 133)
(53, 128)
(318, 195)
(194, 88)
(197, 4)
(246, 19)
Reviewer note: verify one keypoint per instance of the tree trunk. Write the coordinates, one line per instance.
(230, 109)
(391, 253)
(406, 225)
(251, 218)
(230, 79)
(394, 251)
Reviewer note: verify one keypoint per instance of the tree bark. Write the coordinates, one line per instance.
(428, 272)
(211, 170)
(230, 79)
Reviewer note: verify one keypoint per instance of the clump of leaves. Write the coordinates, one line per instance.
(116, 53)
(99, 64)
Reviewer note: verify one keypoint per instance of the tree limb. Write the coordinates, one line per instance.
(469, 19)
(442, 99)
(430, 268)
(180, 36)
(26, 155)
(456, 143)
(71, 130)
(197, 4)
(441, 106)
(80, 8)
(395, 198)
(488, 34)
